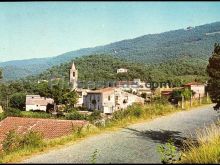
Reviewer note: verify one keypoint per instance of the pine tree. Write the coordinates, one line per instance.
(213, 70)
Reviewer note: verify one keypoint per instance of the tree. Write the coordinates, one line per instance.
(70, 99)
(1, 75)
(43, 89)
(58, 92)
(213, 70)
(17, 100)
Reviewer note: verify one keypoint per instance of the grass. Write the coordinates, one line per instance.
(133, 114)
(207, 150)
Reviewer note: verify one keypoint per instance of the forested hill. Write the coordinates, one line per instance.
(104, 67)
(194, 43)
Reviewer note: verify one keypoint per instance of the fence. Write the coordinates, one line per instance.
(193, 102)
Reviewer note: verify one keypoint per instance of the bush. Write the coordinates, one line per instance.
(32, 139)
(11, 142)
(160, 100)
(34, 114)
(74, 115)
(96, 115)
(2, 116)
(137, 112)
(13, 112)
(14, 142)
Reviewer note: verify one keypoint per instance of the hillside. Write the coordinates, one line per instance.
(104, 67)
(195, 44)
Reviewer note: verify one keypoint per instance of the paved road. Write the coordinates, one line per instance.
(135, 144)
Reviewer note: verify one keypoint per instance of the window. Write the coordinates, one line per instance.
(109, 98)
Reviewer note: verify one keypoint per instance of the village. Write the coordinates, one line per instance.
(110, 99)
(110, 83)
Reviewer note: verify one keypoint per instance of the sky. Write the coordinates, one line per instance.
(46, 29)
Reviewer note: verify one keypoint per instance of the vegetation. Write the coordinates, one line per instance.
(133, 114)
(17, 100)
(213, 70)
(94, 157)
(74, 115)
(1, 75)
(177, 95)
(207, 148)
(70, 99)
(104, 71)
(13, 94)
(169, 153)
(14, 142)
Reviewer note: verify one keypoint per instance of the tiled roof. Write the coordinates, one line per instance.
(193, 83)
(50, 128)
(38, 101)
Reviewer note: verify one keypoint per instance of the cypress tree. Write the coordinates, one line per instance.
(213, 70)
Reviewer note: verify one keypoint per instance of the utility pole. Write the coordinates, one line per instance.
(182, 102)
(191, 99)
(207, 97)
(199, 99)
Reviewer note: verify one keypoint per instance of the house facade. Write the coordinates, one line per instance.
(36, 102)
(109, 100)
(198, 88)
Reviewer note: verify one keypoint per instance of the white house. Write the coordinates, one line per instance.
(198, 88)
(81, 93)
(35, 102)
(109, 100)
(122, 70)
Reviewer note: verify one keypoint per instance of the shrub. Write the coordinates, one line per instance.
(206, 149)
(32, 139)
(2, 116)
(11, 142)
(96, 115)
(161, 100)
(169, 153)
(14, 142)
(13, 112)
(34, 114)
(75, 116)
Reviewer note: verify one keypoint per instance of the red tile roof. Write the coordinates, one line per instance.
(50, 128)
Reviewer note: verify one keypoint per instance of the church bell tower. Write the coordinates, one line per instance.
(73, 76)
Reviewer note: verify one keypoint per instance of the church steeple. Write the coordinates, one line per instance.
(73, 66)
(73, 76)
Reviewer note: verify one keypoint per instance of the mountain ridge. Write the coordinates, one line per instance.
(148, 49)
